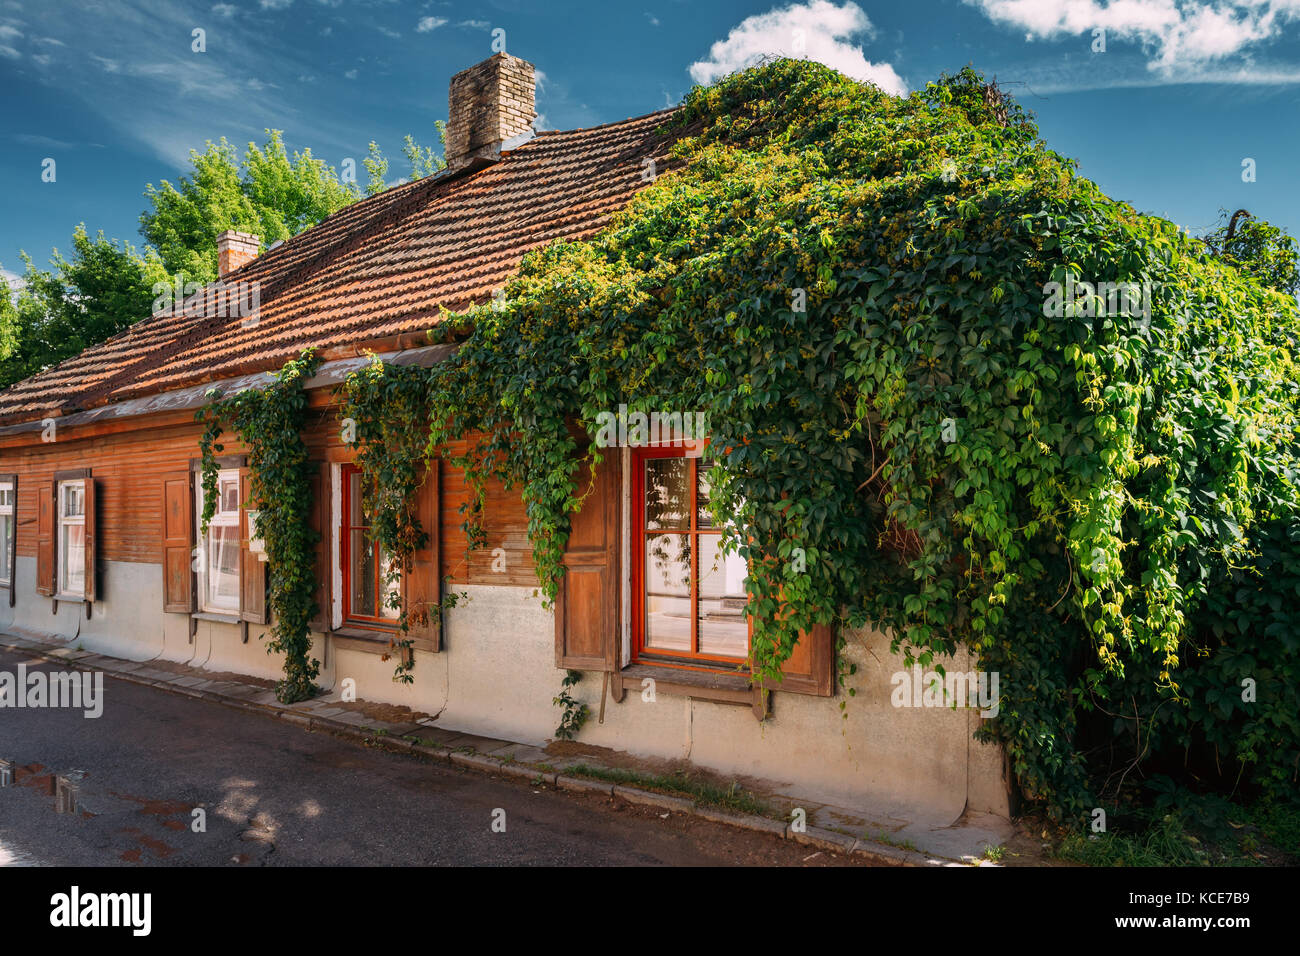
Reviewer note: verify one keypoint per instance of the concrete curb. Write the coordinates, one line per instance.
(827, 840)
(650, 798)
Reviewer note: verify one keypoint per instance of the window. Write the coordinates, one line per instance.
(7, 530)
(72, 538)
(367, 599)
(689, 598)
(218, 564)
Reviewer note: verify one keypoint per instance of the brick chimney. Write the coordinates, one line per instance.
(235, 249)
(490, 109)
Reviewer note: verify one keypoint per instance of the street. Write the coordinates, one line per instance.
(154, 766)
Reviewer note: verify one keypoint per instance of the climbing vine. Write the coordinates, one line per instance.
(270, 422)
(385, 414)
(573, 713)
(894, 315)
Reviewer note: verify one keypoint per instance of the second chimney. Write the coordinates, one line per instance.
(489, 105)
(234, 250)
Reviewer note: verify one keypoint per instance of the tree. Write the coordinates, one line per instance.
(424, 161)
(377, 167)
(107, 285)
(102, 289)
(1257, 247)
(265, 193)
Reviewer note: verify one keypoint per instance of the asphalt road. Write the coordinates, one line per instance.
(273, 794)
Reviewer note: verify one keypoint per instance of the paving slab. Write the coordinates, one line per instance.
(481, 744)
(524, 753)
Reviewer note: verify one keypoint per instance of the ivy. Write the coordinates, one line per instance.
(385, 414)
(270, 422)
(574, 713)
(855, 290)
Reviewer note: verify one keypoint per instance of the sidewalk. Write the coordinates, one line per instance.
(562, 764)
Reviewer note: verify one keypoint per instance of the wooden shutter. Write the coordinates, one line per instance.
(422, 586)
(586, 606)
(178, 542)
(46, 509)
(11, 546)
(252, 570)
(88, 489)
(808, 669)
(320, 521)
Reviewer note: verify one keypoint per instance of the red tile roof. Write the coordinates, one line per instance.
(376, 269)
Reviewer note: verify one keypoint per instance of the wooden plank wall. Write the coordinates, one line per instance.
(129, 461)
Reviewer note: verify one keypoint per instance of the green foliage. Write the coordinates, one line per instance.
(575, 713)
(1065, 492)
(270, 423)
(377, 169)
(1259, 248)
(102, 289)
(1176, 827)
(266, 193)
(424, 161)
(1166, 842)
(385, 415)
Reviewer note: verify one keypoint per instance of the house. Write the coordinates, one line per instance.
(100, 500)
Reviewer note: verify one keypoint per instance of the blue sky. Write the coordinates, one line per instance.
(1184, 91)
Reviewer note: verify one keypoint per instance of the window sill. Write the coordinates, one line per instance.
(78, 598)
(703, 685)
(361, 639)
(215, 617)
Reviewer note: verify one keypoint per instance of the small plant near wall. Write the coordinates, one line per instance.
(270, 423)
(575, 713)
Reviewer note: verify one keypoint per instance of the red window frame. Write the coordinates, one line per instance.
(345, 559)
(692, 659)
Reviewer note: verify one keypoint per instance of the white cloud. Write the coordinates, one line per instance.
(818, 30)
(429, 24)
(1175, 33)
(9, 34)
(276, 4)
(39, 140)
(391, 34)
(224, 10)
(654, 20)
(14, 281)
(9, 52)
(351, 74)
(474, 24)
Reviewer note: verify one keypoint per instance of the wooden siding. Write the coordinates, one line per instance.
(130, 464)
